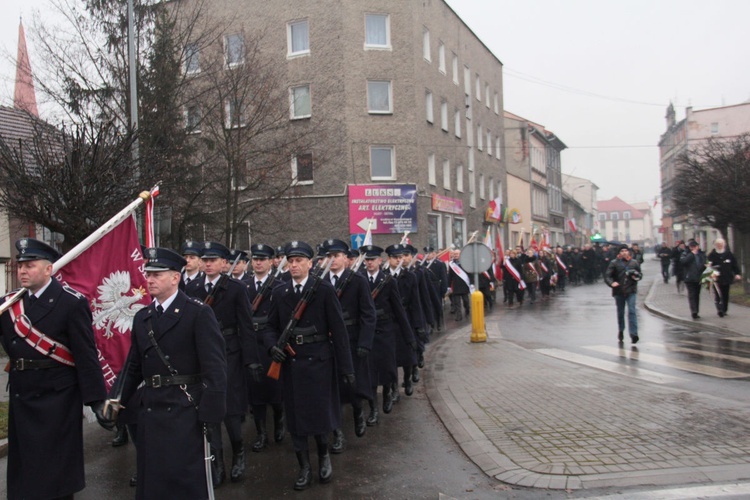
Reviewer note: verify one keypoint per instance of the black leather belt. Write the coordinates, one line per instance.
(229, 331)
(165, 380)
(350, 322)
(382, 315)
(309, 339)
(260, 323)
(21, 364)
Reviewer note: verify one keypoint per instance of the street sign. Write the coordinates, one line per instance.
(357, 240)
(476, 257)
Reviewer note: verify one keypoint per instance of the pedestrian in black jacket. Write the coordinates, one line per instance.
(677, 269)
(725, 264)
(693, 262)
(622, 275)
(664, 253)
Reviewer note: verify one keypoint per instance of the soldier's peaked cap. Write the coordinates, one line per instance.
(298, 249)
(395, 250)
(163, 259)
(332, 245)
(31, 249)
(234, 252)
(214, 250)
(371, 251)
(192, 248)
(262, 251)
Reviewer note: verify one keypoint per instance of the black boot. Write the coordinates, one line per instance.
(372, 419)
(238, 461)
(261, 441)
(408, 387)
(304, 479)
(415, 374)
(121, 437)
(325, 469)
(395, 393)
(278, 423)
(387, 401)
(134, 480)
(219, 473)
(359, 421)
(338, 441)
(420, 361)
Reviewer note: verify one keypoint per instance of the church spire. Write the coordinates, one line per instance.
(24, 96)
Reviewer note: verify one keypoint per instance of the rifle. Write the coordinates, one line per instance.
(342, 284)
(222, 283)
(266, 288)
(388, 277)
(283, 343)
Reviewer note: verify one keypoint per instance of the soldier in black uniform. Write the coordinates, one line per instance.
(231, 305)
(240, 270)
(430, 306)
(192, 274)
(391, 322)
(438, 274)
(321, 346)
(47, 391)
(359, 317)
(178, 352)
(278, 261)
(266, 391)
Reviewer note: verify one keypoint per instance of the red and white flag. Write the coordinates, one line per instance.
(561, 264)
(572, 225)
(110, 274)
(499, 256)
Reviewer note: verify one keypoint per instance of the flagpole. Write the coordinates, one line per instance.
(85, 244)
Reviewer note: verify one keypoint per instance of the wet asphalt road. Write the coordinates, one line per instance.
(409, 454)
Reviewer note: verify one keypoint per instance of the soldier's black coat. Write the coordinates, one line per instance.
(268, 391)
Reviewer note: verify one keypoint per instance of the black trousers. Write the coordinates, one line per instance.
(693, 292)
(721, 298)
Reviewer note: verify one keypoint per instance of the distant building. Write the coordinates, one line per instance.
(680, 137)
(582, 193)
(621, 221)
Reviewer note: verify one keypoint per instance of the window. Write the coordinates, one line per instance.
(491, 186)
(301, 106)
(497, 147)
(472, 190)
(193, 119)
(234, 115)
(480, 145)
(377, 31)
(489, 143)
(379, 96)
(239, 175)
(302, 169)
(455, 69)
(431, 177)
(478, 88)
(382, 164)
(192, 59)
(426, 45)
(433, 231)
(481, 186)
(487, 95)
(444, 114)
(446, 174)
(460, 178)
(234, 50)
(467, 80)
(614, 215)
(602, 216)
(298, 38)
(457, 123)
(441, 57)
(458, 232)
(626, 214)
(428, 106)
(715, 127)
(499, 191)
(497, 104)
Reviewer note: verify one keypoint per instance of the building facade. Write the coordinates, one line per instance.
(622, 222)
(415, 101)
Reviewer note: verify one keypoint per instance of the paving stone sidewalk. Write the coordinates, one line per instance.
(531, 420)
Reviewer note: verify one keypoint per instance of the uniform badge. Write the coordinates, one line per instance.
(295, 244)
(330, 243)
(24, 243)
(259, 247)
(208, 244)
(152, 253)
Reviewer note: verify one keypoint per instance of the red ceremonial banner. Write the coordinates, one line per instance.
(110, 274)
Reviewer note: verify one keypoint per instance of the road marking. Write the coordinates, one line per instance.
(711, 354)
(711, 371)
(629, 370)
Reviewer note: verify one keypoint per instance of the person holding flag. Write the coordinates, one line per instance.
(54, 371)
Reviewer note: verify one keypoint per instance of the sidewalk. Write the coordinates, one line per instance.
(531, 420)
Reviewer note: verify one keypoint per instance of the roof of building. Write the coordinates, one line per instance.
(617, 205)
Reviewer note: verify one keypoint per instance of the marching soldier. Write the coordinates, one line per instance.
(320, 346)
(230, 302)
(391, 322)
(460, 286)
(192, 276)
(240, 270)
(359, 317)
(266, 391)
(277, 259)
(178, 352)
(54, 371)
(439, 278)
(430, 305)
(408, 287)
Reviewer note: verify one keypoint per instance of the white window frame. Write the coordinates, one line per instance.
(296, 182)
(293, 101)
(497, 104)
(444, 114)
(431, 174)
(467, 80)
(472, 189)
(614, 216)
(481, 187)
(457, 119)
(487, 95)
(480, 137)
(290, 49)
(188, 128)
(392, 150)
(491, 187)
(455, 68)
(389, 111)
(460, 178)
(446, 173)
(429, 111)
(626, 215)
(229, 121)
(228, 64)
(387, 45)
(478, 88)
(488, 134)
(426, 45)
(441, 57)
(498, 148)
(188, 58)
(714, 127)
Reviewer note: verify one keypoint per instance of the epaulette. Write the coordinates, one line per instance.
(73, 292)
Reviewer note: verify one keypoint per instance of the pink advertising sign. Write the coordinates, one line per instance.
(385, 208)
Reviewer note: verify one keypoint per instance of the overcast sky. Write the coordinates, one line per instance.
(597, 73)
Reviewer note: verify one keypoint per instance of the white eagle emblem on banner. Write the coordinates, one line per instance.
(117, 304)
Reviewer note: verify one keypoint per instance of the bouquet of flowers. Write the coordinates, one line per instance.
(709, 277)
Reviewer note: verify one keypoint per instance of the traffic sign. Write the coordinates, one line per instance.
(476, 257)
(357, 240)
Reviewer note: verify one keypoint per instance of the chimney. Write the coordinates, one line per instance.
(24, 96)
(670, 116)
